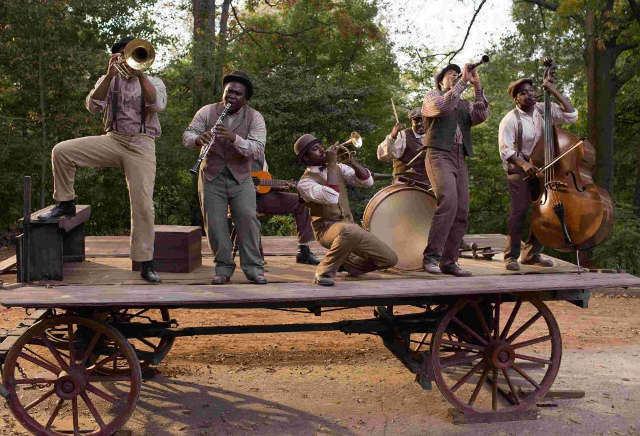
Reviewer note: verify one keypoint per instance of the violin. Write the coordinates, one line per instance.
(571, 213)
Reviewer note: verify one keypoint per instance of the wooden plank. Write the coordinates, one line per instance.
(83, 212)
(8, 264)
(352, 293)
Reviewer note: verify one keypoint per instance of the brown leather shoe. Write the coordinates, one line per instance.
(258, 280)
(512, 264)
(455, 270)
(323, 280)
(537, 260)
(220, 280)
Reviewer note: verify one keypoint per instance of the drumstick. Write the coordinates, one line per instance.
(395, 113)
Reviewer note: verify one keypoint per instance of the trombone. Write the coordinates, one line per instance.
(138, 55)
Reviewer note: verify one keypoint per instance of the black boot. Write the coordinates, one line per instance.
(148, 273)
(63, 208)
(306, 256)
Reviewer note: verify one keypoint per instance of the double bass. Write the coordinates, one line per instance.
(571, 213)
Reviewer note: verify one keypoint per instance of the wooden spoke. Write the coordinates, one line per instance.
(34, 381)
(483, 322)
(109, 378)
(76, 424)
(459, 360)
(463, 345)
(90, 347)
(524, 326)
(496, 317)
(72, 357)
(33, 404)
(466, 376)
(513, 391)
(147, 343)
(476, 391)
(494, 389)
(105, 396)
(533, 359)
(101, 363)
(55, 353)
(92, 409)
(512, 318)
(54, 414)
(469, 330)
(41, 363)
(532, 342)
(139, 313)
(526, 376)
(422, 341)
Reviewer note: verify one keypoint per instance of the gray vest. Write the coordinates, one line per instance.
(324, 215)
(441, 130)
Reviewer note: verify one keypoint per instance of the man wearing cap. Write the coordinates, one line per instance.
(225, 176)
(518, 134)
(401, 147)
(130, 107)
(323, 187)
(448, 119)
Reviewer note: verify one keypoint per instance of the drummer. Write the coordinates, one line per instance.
(402, 146)
(323, 187)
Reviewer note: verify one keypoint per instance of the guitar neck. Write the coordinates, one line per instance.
(272, 182)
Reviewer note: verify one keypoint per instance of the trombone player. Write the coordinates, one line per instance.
(130, 101)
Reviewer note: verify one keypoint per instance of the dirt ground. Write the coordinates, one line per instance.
(331, 383)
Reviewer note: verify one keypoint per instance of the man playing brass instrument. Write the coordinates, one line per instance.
(130, 106)
(323, 187)
(225, 176)
(401, 147)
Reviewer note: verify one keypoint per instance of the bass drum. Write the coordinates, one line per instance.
(401, 215)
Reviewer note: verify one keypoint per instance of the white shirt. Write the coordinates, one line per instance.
(390, 149)
(532, 129)
(312, 191)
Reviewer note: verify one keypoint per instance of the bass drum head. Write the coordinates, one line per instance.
(401, 215)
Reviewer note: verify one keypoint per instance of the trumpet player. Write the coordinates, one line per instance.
(224, 179)
(448, 119)
(323, 187)
(130, 101)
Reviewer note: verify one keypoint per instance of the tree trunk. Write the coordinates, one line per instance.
(221, 52)
(636, 193)
(44, 159)
(204, 52)
(601, 91)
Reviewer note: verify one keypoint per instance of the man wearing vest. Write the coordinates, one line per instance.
(323, 187)
(130, 106)
(402, 145)
(278, 202)
(225, 176)
(518, 134)
(448, 120)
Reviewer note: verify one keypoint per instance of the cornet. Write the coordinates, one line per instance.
(344, 154)
(138, 55)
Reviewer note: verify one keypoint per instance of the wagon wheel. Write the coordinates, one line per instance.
(500, 351)
(150, 351)
(55, 391)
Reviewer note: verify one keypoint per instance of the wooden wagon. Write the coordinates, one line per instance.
(488, 342)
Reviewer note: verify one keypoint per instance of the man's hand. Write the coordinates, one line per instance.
(111, 69)
(549, 86)
(528, 168)
(331, 156)
(471, 75)
(204, 138)
(396, 129)
(222, 132)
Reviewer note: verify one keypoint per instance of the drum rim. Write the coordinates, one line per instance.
(384, 193)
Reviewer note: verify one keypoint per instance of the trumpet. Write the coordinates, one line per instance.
(138, 55)
(344, 154)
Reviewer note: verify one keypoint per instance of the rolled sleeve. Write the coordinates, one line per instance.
(349, 176)
(479, 108)
(561, 117)
(507, 137)
(197, 126)
(161, 95)
(390, 148)
(93, 105)
(253, 145)
(313, 192)
(435, 103)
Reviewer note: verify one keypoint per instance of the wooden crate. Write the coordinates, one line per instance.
(177, 249)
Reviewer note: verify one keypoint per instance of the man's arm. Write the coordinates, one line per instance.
(191, 138)
(479, 108)
(436, 104)
(507, 144)
(153, 92)
(393, 145)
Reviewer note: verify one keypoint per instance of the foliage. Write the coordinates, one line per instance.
(620, 250)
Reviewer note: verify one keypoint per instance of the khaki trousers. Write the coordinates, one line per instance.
(136, 155)
(352, 247)
(215, 197)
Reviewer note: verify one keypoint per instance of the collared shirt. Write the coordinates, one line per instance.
(532, 129)
(390, 148)
(312, 191)
(252, 146)
(128, 119)
(436, 103)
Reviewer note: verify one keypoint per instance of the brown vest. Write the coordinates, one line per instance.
(226, 155)
(412, 147)
(324, 215)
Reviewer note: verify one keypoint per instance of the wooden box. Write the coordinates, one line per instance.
(177, 249)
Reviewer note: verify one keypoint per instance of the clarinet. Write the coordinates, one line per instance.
(206, 149)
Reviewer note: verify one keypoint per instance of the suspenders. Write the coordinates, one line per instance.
(115, 94)
(519, 132)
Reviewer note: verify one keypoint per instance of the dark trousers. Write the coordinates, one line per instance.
(447, 171)
(282, 203)
(522, 194)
